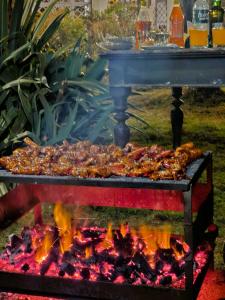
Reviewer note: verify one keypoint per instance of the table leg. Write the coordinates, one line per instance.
(121, 130)
(177, 116)
(188, 237)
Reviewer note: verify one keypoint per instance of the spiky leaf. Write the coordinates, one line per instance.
(3, 19)
(16, 23)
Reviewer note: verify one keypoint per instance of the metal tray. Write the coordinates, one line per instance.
(194, 171)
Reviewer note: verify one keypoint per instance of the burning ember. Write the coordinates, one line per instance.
(140, 256)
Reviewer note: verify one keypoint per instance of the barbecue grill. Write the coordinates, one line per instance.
(188, 196)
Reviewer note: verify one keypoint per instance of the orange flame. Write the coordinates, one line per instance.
(43, 249)
(63, 221)
(123, 229)
(149, 236)
(163, 238)
(155, 238)
(146, 239)
(108, 236)
(88, 252)
(180, 255)
(107, 242)
(77, 234)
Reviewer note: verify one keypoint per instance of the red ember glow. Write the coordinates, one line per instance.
(140, 256)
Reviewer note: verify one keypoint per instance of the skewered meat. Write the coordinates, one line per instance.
(84, 159)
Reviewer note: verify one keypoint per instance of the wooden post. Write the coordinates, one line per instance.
(177, 116)
(121, 130)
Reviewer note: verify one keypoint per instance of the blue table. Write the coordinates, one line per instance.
(163, 67)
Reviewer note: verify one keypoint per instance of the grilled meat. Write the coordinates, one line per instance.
(84, 159)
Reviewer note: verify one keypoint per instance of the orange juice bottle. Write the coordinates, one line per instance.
(177, 25)
(143, 25)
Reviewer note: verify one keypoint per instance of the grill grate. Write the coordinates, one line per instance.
(193, 172)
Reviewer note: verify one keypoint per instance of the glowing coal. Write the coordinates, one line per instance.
(143, 256)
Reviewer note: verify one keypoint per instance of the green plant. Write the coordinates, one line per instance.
(117, 20)
(71, 29)
(47, 95)
(23, 36)
(76, 104)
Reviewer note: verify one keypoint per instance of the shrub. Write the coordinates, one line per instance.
(71, 29)
(117, 20)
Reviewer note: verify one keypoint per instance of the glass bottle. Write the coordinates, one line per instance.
(217, 31)
(177, 25)
(199, 32)
(201, 15)
(143, 25)
(216, 14)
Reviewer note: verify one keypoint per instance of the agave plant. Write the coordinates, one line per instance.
(43, 94)
(24, 32)
(76, 105)
(22, 23)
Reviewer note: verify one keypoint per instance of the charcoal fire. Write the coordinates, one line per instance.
(138, 256)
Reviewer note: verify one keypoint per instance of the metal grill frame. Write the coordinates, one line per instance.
(193, 172)
(193, 235)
